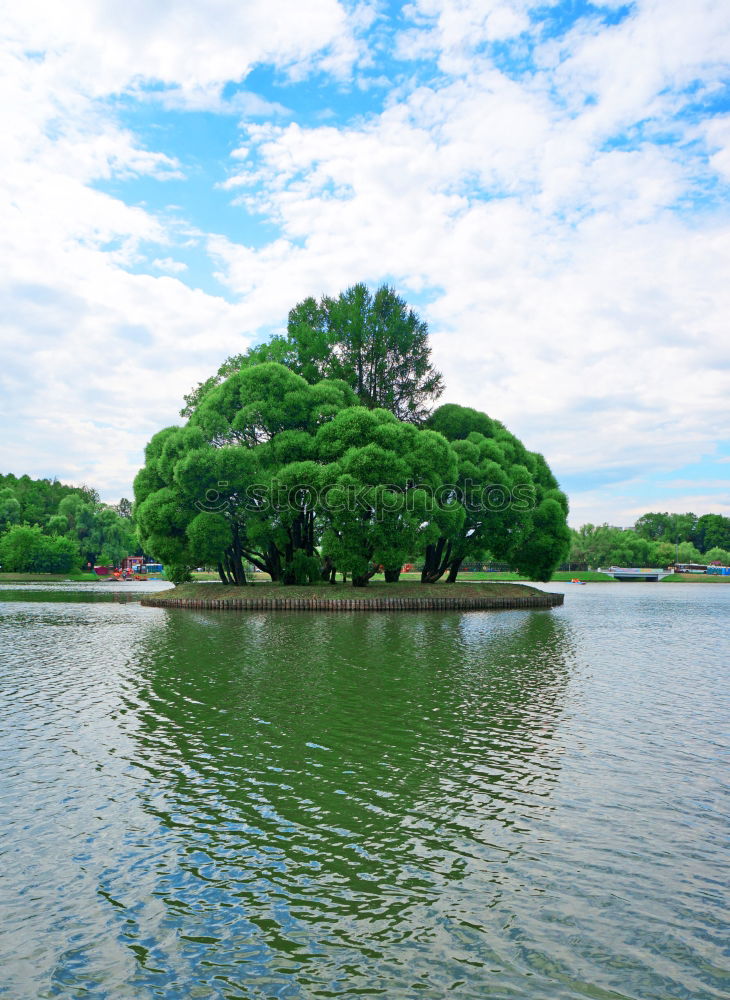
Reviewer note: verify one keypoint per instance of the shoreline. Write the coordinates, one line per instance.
(49, 578)
(374, 597)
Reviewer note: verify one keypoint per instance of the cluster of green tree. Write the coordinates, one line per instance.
(25, 549)
(707, 532)
(48, 527)
(316, 453)
(35, 500)
(602, 545)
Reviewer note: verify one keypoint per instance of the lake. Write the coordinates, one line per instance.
(479, 805)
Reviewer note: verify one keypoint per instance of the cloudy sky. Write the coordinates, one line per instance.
(546, 183)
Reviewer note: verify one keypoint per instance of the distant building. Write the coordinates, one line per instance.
(132, 564)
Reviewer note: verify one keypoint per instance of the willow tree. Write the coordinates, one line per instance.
(380, 476)
(493, 495)
(209, 491)
(512, 506)
(299, 478)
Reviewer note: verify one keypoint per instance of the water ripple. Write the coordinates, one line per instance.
(510, 805)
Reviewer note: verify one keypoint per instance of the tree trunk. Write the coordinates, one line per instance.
(222, 574)
(329, 570)
(454, 570)
(309, 535)
(437, 560)
(267, 562)
(273, 563)
(240, 573)
(363, 579)
(234, 567)
(392, 575)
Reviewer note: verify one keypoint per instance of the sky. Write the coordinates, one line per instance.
(546, 184)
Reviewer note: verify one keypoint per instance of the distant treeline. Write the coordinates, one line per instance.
(49, 527)
(656, 539)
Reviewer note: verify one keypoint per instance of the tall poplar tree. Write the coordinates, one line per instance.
(374, 343)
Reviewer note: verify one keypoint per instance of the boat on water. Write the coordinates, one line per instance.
(131, 569)
(651, 575)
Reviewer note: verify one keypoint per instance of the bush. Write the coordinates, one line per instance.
(25, 549)
(303, 569)
(178, 573)
(59, 555)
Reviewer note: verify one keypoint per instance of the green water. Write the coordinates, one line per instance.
(516, 804)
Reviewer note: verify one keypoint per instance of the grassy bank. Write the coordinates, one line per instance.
(695, 578)
(344, 591)
(587, 576)
(47, 577)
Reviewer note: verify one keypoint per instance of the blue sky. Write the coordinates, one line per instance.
(546, 183)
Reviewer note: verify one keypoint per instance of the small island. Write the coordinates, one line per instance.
(319, 455)
(340, 597)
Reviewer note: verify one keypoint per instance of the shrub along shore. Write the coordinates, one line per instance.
(340, 597)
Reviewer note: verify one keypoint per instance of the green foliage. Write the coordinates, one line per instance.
(304, 468)
(689, 553)
(61, 525)
(662, 554)
(9, 508)
(39, 499)
(656, 527)
(373, 343)
(250, 439)
(100, 533)
(705, 532)
(25, 549)
(20, 547)
(208, 535)
(456, 423)
(262, 401)
(57, 524)
(123, 508)
(277, 349)
(712, 531)
(178, 573)
(303, 569)
(511, 503)
(297, 478)
(606, 546)
(547, 541)
(381, 475)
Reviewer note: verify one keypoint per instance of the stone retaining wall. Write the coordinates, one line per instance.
(540, 600)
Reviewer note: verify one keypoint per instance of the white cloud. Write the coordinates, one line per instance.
(169, 266)
(453, 29)
(570, 290)
(717, 136)
(577, 304)
(95, 359)
(103, 47)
